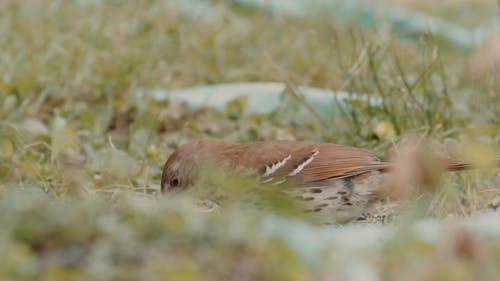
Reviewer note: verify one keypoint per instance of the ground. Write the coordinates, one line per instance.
(82, 139)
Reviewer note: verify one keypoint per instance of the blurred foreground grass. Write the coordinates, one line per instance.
(82, 139)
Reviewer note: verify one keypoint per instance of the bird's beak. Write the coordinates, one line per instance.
(163, 186)
(164, 182)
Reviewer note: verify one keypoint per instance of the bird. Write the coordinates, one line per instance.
(336, 183)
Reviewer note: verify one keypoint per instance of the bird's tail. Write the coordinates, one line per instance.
(456, 164)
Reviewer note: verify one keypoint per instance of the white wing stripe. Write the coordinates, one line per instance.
(275, 166)
(267, 180)
(279, 182)
(301, 166)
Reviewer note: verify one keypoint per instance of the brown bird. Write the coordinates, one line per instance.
(336, 182)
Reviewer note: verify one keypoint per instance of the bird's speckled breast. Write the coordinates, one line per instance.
(340, 200)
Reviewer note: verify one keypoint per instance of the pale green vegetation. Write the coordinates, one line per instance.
(82, 140)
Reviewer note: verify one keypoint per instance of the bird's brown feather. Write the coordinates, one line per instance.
(336, 183)
(331, 161)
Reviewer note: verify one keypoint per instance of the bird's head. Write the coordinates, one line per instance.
(174, 176)
(183, 165)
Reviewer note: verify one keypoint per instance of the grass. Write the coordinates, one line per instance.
(82, 141)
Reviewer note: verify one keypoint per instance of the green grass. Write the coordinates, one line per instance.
(79, 124)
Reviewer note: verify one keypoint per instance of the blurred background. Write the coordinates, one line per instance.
(95, 94)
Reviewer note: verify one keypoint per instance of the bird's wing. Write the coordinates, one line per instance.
(308, 162)
(338, 161)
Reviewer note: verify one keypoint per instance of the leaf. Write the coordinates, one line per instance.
(140, 132)
(481, 154)
(385, 131)
(35, 126)
(139, 142)
(63, 137)
(4, 171)
(9, 103)
(17, 134)
(6, 148)
(119, 165)
(234, 109)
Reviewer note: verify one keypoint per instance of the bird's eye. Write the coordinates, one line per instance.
(174, 181)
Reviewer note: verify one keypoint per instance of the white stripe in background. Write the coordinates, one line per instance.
(262, 97)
